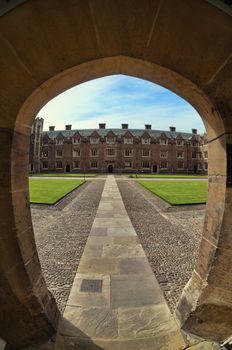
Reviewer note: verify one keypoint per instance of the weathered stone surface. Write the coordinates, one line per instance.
(105, 38)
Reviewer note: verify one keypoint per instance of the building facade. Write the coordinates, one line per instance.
(121, 150)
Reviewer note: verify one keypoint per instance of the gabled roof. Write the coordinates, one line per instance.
(94, 133)
(146, 134)
(120, 132)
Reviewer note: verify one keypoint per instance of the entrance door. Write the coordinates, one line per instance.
(67, 168)
(195, 169)
(110, 168)
(154, 168)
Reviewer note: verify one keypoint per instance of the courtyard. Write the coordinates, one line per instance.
(170, 240)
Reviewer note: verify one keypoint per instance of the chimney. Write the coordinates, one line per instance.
(172, 128)
(124, 126)
(194, 131)
(51, 128)
(148, 126)
(102, 126)
(68, 127)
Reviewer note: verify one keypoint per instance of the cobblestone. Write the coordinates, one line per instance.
(170, 239)
(61, 233)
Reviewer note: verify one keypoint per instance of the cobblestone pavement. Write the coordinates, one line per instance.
(170, 240)
(61, 233)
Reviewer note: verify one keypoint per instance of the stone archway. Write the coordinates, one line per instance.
(160, 41)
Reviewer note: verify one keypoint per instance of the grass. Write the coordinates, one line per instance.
(62, 175)
(51, 191)
(168, 176)
(178, 192)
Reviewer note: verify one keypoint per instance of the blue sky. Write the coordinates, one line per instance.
(120, 99)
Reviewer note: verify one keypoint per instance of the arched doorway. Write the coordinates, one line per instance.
(162, 44)
(110, 168)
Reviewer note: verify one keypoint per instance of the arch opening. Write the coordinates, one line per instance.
(175, 83)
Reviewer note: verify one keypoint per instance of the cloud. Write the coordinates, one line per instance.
(120, 99)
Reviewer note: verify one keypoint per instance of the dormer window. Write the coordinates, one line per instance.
(59, 141)
(128, 140)
(76, 140)
(94, 140)
(163, 141)
(179, 142)
(110, 140)
(146, 141)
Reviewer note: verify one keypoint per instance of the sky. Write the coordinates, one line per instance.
(119, 99)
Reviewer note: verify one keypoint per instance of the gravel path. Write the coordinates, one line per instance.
(61, 233)
(170, 240)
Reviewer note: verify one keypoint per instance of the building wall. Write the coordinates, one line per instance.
(103, 150)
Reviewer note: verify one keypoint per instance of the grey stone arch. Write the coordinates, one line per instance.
(141, 39)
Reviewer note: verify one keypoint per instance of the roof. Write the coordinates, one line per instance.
(119, 133)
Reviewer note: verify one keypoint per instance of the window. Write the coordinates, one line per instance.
(163, 141)
(94, 164)
(76, 140)
(45, 165)
(76, 152)
(128, 164)
(146, 165)
(194, 155)
(163, 154)
(179, 142)
(110, 152)
(59, 141)
(146, 141)
(94, 140)
(94, 152)
(45, 141)
(206, 154)
(180, 165)
(200, 167)
(194, 143)
(128, 152)
(163, 164)
(145, 152)
(59, 153)
(206, 166)
(44, 153)
(179, 154)
(76, 164)
(110, 140)
(128, 140)
(59, 165)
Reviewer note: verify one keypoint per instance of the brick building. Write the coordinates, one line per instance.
(117, 150)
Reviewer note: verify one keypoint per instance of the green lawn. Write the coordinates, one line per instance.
(50, 191)
(168, 176)
(62, 175)
(178, 192)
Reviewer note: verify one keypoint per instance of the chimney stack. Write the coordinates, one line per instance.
(68, 127)
(147, 126)
(51, 128)
(194, 131)
(124, 126)
(172, 128)
(102, 126)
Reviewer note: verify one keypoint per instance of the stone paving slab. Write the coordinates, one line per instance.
(127, 311)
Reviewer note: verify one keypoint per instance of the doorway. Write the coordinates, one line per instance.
(110, 168)
(154, 168)
(195, 169)
(67, 169)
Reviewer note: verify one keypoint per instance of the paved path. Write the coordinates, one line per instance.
(115, 301)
